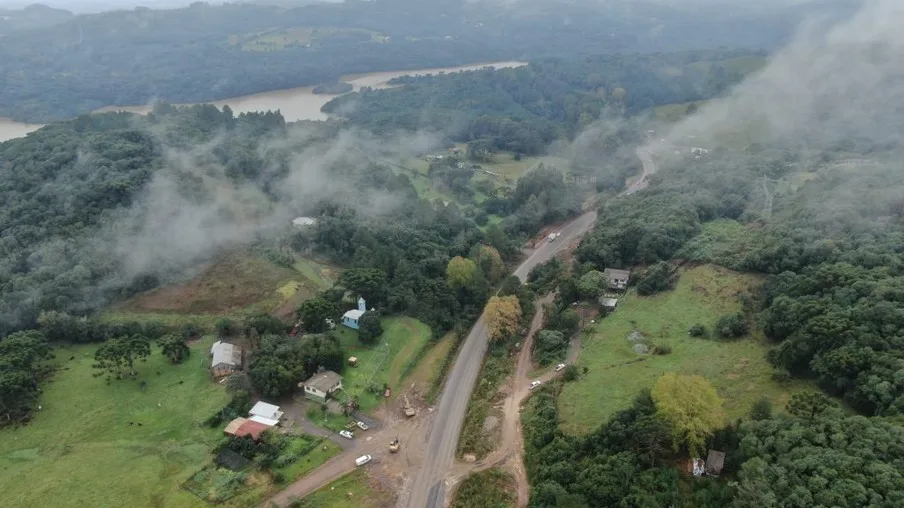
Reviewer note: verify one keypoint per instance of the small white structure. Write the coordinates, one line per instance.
(303, 222)
(699, 151)
(608, 303)
(351, 318)
(264, 413)
(226, 358)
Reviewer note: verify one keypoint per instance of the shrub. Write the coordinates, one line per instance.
(698, 330)
(570, 373)
(761, 410)
(663, 350)
(731, 326)
(660, 277)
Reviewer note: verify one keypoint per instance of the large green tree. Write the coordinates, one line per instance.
(314, 313)
(173, 347)
(369, 327)
(118, 356)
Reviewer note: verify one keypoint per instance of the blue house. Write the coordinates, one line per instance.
(350, 318)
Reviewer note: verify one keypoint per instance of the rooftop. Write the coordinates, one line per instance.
(608, 302)
(224, 352)
(304, 221)
(266, 410)
(354, 314)
(613, 273)
(323, 381)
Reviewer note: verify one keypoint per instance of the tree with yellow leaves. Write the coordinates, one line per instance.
(691, 407)
(502, 315)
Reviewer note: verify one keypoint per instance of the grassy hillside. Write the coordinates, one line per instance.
(80, 451)
(738, 369)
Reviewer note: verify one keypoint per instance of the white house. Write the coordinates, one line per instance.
(350, 318)
(302, 222)
(268, 414)
(226, 358)
(321, 385)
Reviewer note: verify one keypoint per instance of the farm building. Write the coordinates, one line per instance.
(264, 413)
(715, 461)
(350, 318)
(226, 358)
(618, 279)
(241, 427)
(321, 385)
(608, 304)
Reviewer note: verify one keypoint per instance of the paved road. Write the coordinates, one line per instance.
(453, 402)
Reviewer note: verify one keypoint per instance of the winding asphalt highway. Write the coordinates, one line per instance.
(428, 489)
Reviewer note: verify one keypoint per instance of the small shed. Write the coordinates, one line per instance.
(265, 413)
(608, 304)
(353, 361)
(715, 461)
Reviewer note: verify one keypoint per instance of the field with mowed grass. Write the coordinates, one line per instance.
(616, 373)
(388, 361)
(80, 451)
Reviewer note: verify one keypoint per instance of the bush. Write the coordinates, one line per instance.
(781, 377)
(225, 327)
(698, 330)
(660, 277)
(663, 350)
(732, 326)
(191, 330)
(570, 373)
(369, 328)
(761, 410)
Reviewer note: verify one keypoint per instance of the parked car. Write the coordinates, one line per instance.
(364, 459)
(560, 367)
(362, 426)
(535, 383)
(346, 434)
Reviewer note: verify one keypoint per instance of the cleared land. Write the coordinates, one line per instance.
(354, 490)
(235, 285)
(386, 362)
(738, 369)
(80, 450)
(298, 36)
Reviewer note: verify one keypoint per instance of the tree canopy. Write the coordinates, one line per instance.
(692, 408)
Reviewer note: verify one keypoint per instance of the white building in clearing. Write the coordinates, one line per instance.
(351, 318)
(303, 222)
(264, 413)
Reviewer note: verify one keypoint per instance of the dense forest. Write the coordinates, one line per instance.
(57, 66)
(524, 109)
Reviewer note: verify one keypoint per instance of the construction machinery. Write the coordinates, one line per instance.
(394, 446)
(409, 411)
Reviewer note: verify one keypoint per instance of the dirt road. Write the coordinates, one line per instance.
(438, 434)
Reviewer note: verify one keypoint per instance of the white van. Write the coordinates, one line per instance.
(364, 459)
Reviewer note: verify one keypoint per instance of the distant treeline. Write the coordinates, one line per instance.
(57, 66)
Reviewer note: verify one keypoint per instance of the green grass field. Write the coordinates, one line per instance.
(403, 338)
(353, 490)
(738, 369)
(80, 451)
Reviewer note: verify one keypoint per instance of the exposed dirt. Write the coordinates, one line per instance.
(229, 284)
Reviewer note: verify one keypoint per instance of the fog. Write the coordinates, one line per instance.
(833, 83)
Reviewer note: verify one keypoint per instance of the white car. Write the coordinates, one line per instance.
(364, 459)
(362, 426)
(346, 434)
(534, 384)
(560, 367)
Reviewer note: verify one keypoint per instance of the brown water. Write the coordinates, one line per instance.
(295, 103)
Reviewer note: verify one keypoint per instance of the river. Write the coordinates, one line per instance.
(295, 103)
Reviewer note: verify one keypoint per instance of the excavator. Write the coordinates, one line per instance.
(409, 411)
(394, 446)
